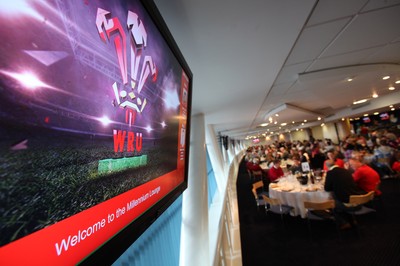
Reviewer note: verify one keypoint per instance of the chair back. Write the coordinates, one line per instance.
(310, 205)
(257, 185)
(361, 199)
(271, 201)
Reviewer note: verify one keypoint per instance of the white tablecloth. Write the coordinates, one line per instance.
(294, 194)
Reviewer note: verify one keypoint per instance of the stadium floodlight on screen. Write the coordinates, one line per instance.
(94, 122)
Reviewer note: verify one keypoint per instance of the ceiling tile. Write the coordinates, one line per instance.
(353, 58)
(313, 41)
(367, 30)
(328, 10)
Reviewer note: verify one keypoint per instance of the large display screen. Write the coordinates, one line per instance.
(94, 125)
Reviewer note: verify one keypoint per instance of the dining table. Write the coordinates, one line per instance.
(291, 192)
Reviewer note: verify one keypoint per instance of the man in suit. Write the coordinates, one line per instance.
(340, 182)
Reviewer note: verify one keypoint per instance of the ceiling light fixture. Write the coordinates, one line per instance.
(360, 101)
(319, 118)
(391, 88)
(349, 79)
(264, 124)
(397, 81)
(386, 77)
(376, 113)
(374, 95)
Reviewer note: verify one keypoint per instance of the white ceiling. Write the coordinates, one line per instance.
(252, 59)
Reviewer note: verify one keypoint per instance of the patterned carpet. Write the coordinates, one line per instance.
(266, 240)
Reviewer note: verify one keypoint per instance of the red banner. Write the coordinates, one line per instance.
(71, 240)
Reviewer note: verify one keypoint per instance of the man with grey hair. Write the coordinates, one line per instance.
(340, 182)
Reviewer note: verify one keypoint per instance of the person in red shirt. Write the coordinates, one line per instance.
(254, 165)
(275, 171)
(364, 176)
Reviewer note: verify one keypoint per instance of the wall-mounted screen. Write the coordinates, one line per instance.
(384, 116)
(94, 124)
(366, 119)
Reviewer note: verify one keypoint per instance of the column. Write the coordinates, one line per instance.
(194, 235)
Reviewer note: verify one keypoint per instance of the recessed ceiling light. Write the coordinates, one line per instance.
(323, 124)
(376, 113)
(365, 114)
(375, 95)
(283, 124)
(276, 114)
(391, 88)
(264, 124)
(386, 77)
(397, 81)
(319, 118)
(349, 79)
(392, 109)
(342, 118)
(305, 120)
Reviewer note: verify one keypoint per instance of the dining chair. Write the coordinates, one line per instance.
(356, 206)
(357, 203)
(275, 206)
(258, 192)
(320, 211)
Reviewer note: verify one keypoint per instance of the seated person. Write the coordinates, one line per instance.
(340, 182)
(275, 171)
(333, 155)
(254, 165)
(384, 155)
(396, 163)
(296, 167)
(364, 176)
